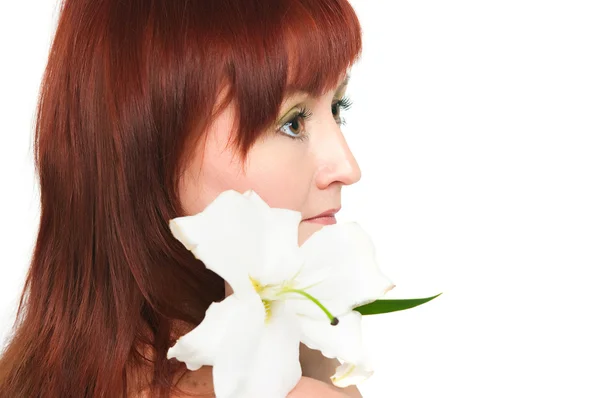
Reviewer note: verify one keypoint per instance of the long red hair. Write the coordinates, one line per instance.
(129, 88)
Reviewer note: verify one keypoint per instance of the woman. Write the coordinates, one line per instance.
(147, 111)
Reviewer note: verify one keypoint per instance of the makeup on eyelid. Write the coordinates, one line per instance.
(339, 98)
(303, 115)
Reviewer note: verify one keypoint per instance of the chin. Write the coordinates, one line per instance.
(306, 229)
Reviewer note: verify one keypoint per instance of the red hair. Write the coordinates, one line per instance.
(129, 88)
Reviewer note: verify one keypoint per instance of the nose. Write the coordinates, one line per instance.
(337, 163)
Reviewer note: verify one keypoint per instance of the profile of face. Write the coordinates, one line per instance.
(301, 165)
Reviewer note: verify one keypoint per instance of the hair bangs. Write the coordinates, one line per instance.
(324, 39)
(279, 48)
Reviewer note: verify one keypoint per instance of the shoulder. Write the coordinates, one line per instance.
(200, 382)
(308, 387)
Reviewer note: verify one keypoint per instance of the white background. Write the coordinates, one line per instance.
(477, 128)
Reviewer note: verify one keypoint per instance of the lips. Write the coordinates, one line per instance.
(328, 213)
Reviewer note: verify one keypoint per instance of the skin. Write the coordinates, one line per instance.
(307, 387)
(302, 175)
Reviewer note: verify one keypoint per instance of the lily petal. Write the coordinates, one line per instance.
(350, 374)
(284, 253)
(340, 269)
(199, 346)
(282, 240)
(343, 341)
(228, 236)
(226, 336)
(276, 369)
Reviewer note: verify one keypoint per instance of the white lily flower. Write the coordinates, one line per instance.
(282, 294)
(352, 373)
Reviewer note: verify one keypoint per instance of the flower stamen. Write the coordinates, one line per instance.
(267, 304)
(257, 286)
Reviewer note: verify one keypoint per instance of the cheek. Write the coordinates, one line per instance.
(206, 178)
(281, 173)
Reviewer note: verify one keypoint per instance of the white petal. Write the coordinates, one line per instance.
(340, 270)
(228, 268)
(232, 324)
(275, 369)
(342, 341)
(281, 240)
(199, 346)
(239, 235)
(227, 236)
(350, 374)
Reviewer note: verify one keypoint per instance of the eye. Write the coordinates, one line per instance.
(337, 107)
(295, 127)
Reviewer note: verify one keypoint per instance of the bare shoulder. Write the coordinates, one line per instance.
(308, 387)
(199, 382)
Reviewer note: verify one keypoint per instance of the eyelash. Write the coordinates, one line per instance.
(344, 103)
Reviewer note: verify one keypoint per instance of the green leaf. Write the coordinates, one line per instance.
(383, 306)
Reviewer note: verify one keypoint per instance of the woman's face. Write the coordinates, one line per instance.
(305, 174)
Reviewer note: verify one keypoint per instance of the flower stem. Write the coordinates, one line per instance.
(334, 320)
